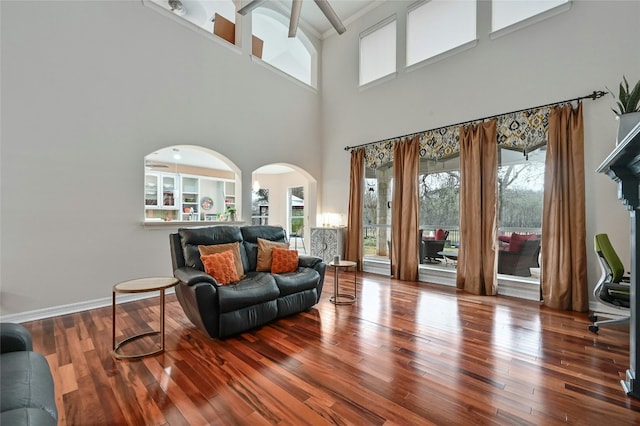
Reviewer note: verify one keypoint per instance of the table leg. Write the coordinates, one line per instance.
(113, 320)
(162, 319)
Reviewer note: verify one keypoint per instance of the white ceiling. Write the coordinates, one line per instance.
(200, 12)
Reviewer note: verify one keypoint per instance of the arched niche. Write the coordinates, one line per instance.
(188, 183)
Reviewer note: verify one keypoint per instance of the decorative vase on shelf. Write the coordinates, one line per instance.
(626, 122)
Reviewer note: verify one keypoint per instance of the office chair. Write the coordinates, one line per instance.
(613, 288)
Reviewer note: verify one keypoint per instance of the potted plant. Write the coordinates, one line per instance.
(231, 214)
(628, 103)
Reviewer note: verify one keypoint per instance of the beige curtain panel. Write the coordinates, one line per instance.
(404, 210)
(477, 259)
(354, 249)
(564, 253)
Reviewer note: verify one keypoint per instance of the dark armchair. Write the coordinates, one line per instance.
(26, 384)
(519, 262)
(430, 246)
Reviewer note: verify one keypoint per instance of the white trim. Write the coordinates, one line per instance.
(440, 56)
(378, 81)
(375, 27)
(289, 77)
(531, 20)
(360, 13)
(77, 307)
(508, 285)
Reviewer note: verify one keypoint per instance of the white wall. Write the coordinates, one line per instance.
(88, 89)
(585, 49)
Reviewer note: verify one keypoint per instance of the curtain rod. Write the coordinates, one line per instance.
(595, 95)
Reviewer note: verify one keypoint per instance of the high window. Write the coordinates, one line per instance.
(438, 26)
(378, 52)
(505, 13)
(294, 56)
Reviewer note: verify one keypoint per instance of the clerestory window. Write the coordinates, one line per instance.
(378, 52)
(439, 26)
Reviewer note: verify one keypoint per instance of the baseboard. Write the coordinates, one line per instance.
(76, 307)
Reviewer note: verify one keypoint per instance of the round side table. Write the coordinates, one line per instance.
(343, 298)
(141, 285)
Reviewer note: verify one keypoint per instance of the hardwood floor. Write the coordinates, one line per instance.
(405, 353)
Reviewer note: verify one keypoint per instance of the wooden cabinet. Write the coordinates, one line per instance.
(327, 242)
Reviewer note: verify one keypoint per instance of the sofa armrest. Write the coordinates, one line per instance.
(191, 276)
(306, 261)
(14, 337)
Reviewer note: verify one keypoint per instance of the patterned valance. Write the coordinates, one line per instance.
(522, 130)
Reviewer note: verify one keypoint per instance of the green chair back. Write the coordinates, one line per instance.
(605, 250)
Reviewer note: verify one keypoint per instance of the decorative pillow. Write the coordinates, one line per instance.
(219, 248)
(264, 253)
(517, 241)
(221, 267)
(283, 260)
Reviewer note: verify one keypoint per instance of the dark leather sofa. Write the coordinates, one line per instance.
(257, 299)
(26, 386)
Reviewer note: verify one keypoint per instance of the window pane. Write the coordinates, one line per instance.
(438, 26)
(286, 54)
(520, 197)
(377, 213)
(509, 12)
(378, 53)
(439, 191)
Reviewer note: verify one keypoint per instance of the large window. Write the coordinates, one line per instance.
(378, 52)
(377, 212)
(520, 198)
(439, 26)
(439, 192)
(505, 13)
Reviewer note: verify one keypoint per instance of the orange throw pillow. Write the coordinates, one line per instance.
(283, 260)
(264, 253)
(219, 248)
(221, 267)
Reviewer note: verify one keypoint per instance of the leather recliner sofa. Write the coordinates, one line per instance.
(255, 300)
(26, 386)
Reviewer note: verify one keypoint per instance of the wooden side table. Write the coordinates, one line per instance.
(343, 298)
(141, 285)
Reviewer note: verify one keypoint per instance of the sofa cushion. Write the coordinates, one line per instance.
(191, 238)
(255, 288)
(283, 260)
(264, 253)
(26, 383)
(219, 248)
(293, 282)
(221, 267)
